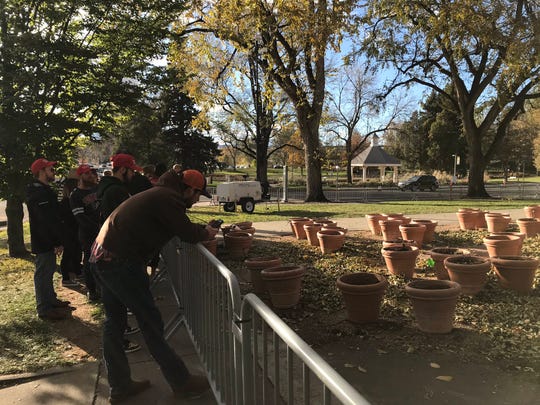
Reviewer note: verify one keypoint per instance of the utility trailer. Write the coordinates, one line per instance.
(243, 193)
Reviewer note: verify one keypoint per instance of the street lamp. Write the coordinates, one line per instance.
(337, 182)
(456, 161)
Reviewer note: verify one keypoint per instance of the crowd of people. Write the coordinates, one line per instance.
(109, 232)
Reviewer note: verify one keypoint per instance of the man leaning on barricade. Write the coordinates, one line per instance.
(133, 232)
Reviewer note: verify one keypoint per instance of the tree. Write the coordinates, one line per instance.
(487, 50)
(354, 99)
(293, 38)
(67, 69)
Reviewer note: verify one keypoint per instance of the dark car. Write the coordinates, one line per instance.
(422, 182)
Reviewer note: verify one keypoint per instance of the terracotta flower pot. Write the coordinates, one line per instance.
(362, 293)
(413, 232)
(330, 240)
(244, 224)
(481, 222)
(390, 228)
(434, 304)
(255, 265)
(469, 271)
(284, 284)
(515, 272)
(238, 244)
(373, 223)
(496, 222)
(210, 245)
(430, 228)
(439, 254)
(326, 223)
(398, 242)
(468, 219)
(298, 226)
(335, 228)
(518, 234)
(532, 211)
(502, 245)
(529, 226)
(311, 233)
(402, 218)
(400, 260)
(291, 220)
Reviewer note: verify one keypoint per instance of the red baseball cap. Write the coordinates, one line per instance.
(125, 160)
(82, 169)
(40, 164)
(195, 180)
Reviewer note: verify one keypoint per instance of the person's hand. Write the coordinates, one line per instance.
(58, 250)
(212, 232)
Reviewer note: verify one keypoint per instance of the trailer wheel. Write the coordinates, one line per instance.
(248, 205)
(229, 207)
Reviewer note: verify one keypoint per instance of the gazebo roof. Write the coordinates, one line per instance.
(375, 156)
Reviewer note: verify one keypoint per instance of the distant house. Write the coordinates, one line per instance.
(375, 156)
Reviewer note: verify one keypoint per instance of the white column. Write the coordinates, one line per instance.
(381, 169)
(395, 179)
(364, 174)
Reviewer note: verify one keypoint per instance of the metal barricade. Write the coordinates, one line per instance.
(230, 336)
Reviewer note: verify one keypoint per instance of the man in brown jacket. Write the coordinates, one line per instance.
(133, 232)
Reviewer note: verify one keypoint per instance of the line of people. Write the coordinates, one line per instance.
(122, 222)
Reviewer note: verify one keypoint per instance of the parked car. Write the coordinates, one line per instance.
(422, 182)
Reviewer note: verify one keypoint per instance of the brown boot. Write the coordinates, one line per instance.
(54, 314)
(195, 387)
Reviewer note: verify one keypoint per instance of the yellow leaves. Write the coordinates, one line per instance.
(446, 378)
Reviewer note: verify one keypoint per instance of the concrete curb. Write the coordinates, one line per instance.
(16, 378)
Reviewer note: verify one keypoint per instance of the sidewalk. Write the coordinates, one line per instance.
(87, 383)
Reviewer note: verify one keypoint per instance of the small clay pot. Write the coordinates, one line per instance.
(430, 228)
(330, 240)
(439, 254)
(400, 260)
(210, 245)
(362, 293)
(238, 244)
(515, 272)
(373, 223)
(311, 233)
(469, 271)
(503, 245)
(284, 284)
(390, 228)
(529, 226)
(398, 242)
(255, 265)
(298, 226)
(413, 232)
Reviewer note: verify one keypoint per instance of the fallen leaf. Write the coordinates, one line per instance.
(380, 351)
(446, 378)
(363, 370)
(434, 365)
(349, 365)
(410, 349)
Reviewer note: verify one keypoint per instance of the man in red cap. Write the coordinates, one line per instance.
(46, 239)
(85, 208)
(132, 234)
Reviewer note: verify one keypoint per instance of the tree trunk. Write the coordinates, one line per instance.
(15, 215)
(314, 184)
(262, 163)
(349, 170)
(477, 166)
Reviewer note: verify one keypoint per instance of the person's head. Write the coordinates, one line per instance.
(190, 183)
(68, 186)
(124, 166)
(43, 170)
(177, 167)
(88, 176)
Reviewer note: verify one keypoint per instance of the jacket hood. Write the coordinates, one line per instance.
(105, 183)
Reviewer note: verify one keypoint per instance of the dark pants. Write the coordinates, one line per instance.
(126, 284)
(90, 279)
(71, 260)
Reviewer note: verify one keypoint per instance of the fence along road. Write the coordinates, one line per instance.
(250, 355)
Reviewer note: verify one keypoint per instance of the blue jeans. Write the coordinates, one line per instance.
(43, 281)
(126, 284)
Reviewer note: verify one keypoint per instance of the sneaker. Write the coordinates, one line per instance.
(130, 347)
(131, 330)
(69, 283)
(54, 314)
(195, 387)
(135, 388)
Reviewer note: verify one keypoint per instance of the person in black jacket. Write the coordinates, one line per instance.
(46, 239)
(85, 207)
(70, 265)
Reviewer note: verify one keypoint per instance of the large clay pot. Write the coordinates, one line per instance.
(434, 304)
(210, 245)
(496, 222)
(373, 223)
(298, 226)
(255, 265)
(439, 254)
(400, 217)
(296, 219)
(362, 293)
(502, 245)
(469, 271)
(515, 272)
(390, 228)
(518, 234)
(330, 240)
(532, 211)
(326, 222)
(238, 244)
(311, 233)
(468, 219)
(430, 228)
(413, 232)
(335, 228)
(284, 284)
(400, 260)
(529, 226)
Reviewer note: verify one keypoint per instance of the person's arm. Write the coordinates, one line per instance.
(86, 223)
(112, 198)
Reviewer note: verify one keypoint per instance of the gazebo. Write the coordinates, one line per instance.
(375, 156)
